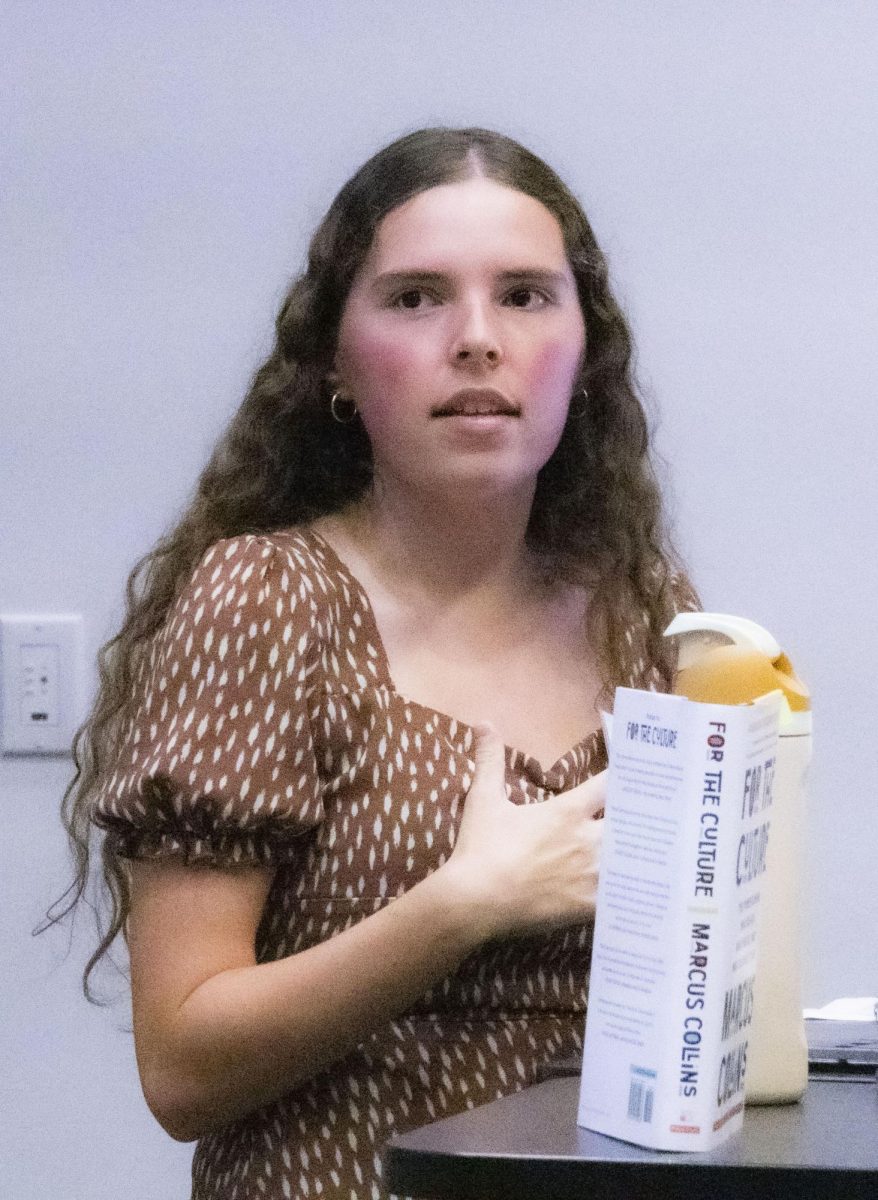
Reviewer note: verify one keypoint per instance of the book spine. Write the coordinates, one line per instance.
(729, 830)
(688, 1099)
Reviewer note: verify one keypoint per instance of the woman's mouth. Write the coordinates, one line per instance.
(477, 402)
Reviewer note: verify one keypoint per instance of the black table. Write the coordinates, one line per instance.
(529, 1147)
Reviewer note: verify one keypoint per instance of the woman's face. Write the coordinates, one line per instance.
(462, 337)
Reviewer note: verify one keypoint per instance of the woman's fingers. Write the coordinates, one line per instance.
(490, 760)
(525, 866)
(591, 795)
(484, 812)
(489, 777)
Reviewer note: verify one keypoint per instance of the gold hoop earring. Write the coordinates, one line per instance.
(345, 416)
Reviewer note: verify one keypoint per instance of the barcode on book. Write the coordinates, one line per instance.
(640, 1094)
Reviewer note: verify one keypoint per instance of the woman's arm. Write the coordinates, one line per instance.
(217, 1034)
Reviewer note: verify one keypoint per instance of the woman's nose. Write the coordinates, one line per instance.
(477, 340)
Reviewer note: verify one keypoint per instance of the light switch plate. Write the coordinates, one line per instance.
(41, 666)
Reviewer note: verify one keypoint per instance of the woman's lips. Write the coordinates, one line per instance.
(477, 402)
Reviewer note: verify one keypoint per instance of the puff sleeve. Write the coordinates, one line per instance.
(217, 765)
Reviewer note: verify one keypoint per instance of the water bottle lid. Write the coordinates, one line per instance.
(734, 660)
(739, 630)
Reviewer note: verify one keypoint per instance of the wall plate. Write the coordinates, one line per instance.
(41, 660)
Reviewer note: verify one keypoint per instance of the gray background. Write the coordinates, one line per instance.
(162, 167)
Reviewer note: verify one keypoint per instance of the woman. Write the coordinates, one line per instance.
(430, 533)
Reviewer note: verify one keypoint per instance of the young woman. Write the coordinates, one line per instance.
(346, 752)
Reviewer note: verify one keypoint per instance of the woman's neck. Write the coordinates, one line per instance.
(444, 547)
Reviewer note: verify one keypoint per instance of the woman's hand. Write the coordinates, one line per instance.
(525, 867)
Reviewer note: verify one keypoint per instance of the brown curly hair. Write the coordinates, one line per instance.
(596, 516)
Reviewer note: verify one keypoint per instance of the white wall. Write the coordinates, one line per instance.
(162, 167)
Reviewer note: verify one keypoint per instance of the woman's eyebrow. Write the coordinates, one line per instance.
(392, 279)
(540, 275)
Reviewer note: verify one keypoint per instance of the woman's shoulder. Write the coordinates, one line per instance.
(295, 559)
(284, 582)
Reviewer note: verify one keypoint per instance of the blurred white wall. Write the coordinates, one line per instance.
(161, 168)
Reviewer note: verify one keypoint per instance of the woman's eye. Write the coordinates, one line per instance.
(413, 299)
(526, 297)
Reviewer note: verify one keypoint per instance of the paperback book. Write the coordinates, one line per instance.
(687, 824)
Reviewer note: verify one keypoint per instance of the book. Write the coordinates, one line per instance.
(687, 823)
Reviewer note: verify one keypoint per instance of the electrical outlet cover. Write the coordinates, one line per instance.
(41, 673)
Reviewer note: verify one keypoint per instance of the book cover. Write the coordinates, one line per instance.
(688, 818)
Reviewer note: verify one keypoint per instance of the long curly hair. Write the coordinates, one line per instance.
(596, 517)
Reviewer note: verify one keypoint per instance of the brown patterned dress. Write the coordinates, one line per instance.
(269, 731)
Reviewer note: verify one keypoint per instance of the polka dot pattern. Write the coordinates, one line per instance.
(269, 731)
